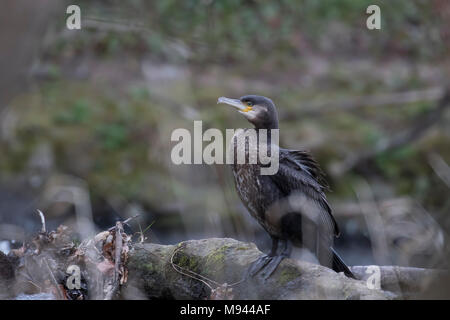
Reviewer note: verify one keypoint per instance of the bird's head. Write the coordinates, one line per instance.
(258, 110)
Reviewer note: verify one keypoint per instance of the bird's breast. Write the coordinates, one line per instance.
(251, 186)
(246, 175)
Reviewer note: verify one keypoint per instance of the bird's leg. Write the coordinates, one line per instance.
(287, 250)
(263, 260)
(276, 260)
(273, 251)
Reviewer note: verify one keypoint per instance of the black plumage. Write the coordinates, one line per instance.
(291, 204)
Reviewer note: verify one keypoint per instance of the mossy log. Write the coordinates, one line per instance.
(216, 269)
(200, 269)
(405, 282)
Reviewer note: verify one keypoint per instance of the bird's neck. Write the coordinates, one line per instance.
(267, 126)
(268, 133)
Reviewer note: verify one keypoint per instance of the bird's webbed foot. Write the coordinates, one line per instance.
(272, 266)
(269, 262)
(259, 264)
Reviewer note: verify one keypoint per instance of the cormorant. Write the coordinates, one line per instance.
(291, 204)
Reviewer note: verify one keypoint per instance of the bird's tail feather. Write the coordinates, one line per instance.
(340, 266)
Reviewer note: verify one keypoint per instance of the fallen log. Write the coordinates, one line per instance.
(205, 267)
(406, 282)
(196, 269)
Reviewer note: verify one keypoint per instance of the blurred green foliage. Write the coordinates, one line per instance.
(112, 126)
(257, 31)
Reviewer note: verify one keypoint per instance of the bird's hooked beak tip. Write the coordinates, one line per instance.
(234, 103)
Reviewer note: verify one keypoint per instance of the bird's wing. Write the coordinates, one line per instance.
(304, 161)
(299, 172)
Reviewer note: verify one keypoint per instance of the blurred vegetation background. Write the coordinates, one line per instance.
(86, 116)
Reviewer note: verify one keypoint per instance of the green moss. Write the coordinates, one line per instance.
(215, 258)
(215, 261)
(144, 262)
(190, 263)
(287, 275)
(149, 267)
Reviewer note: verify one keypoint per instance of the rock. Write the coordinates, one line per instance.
(221, 260)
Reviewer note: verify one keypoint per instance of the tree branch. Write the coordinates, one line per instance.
(419, 127)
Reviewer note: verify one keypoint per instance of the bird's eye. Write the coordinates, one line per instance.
(249, 103)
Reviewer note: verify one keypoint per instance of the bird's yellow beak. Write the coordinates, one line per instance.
(238, 104)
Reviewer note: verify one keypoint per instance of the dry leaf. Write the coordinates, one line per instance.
(106, 267)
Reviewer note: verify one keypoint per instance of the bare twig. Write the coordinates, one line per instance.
(124, 222)
(374, 221)
(440, 167)
(55, 283)
(398, 98)
(117, 261)
(118, 249)
(76, 192)
(115, 25)
(43, 230)
(34, 284)
(131, 218)
(189, 273)
(418, 129)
